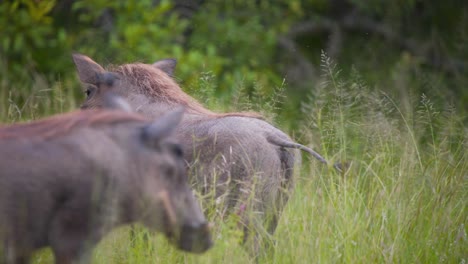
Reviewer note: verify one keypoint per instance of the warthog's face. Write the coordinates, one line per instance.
(166, 189)
(162, 200)
(102, 85)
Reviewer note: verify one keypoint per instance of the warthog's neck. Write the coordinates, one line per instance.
(148, 107)
(153, 108)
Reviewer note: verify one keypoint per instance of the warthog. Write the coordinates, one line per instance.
(67, 180)
(247, 163)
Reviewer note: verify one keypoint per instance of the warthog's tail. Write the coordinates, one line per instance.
(289, 144)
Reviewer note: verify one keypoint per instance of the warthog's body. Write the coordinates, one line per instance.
(68, 180)
(246, 161)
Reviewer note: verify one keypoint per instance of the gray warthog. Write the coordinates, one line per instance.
(67, 180)
(244, 161)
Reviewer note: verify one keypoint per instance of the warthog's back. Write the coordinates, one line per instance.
(55, 172)
(247, 136)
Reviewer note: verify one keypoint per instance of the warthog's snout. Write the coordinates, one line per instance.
(195, 238)
(189, 231)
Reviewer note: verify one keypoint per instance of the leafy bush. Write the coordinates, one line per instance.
(30, 41)
(237, 45)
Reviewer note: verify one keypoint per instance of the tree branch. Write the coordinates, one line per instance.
(356, 22)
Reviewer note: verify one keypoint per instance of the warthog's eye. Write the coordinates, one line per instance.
(90, 91)
(177, 150)
(169, 171)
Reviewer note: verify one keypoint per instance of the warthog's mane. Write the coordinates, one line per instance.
(157, 85)
(63, 124)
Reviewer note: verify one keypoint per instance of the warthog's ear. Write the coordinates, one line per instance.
(163, 126)
(87, 68)
(106, 78)
(166, 65)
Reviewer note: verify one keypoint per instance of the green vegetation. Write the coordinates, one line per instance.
(254, 47)
(403, 200)
(395, 105)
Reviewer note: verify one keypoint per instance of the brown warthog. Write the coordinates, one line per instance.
(67, 180)
(244, 161)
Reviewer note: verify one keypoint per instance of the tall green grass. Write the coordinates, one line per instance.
(403, 200)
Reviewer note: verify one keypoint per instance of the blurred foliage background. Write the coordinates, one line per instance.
(238, 54)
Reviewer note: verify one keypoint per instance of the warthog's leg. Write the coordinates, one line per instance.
(264, 200)
(68, 236)
(15, 251)
(258, 217)
(11, 256)
(290, 165)
(71, 248)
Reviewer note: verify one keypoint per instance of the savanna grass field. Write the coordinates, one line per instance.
(401, 128)
(403, 200)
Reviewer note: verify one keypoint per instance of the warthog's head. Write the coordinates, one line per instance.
(168, 205)
(128, 82)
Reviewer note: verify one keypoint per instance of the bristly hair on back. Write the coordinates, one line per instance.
(157, 85)
(63, 124)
